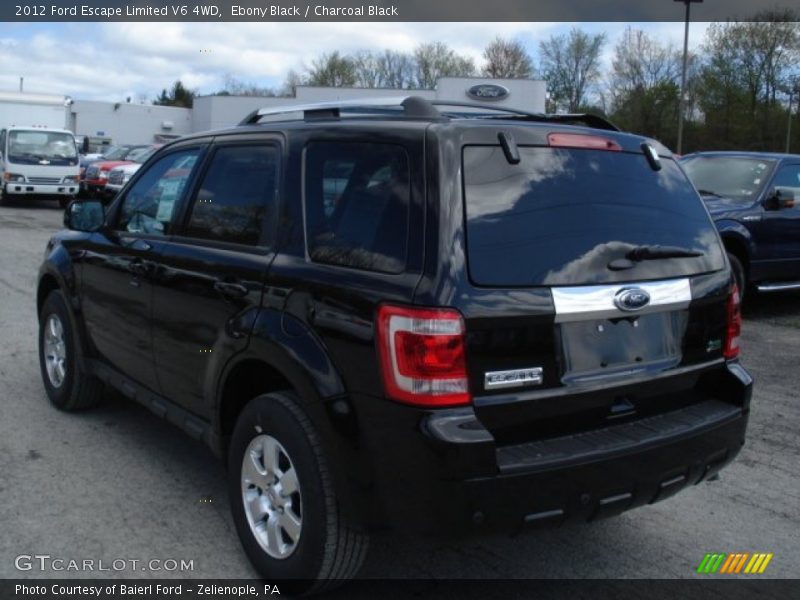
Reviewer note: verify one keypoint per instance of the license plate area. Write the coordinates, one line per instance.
(621, 347)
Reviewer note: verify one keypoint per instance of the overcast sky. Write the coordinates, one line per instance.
(113, 61)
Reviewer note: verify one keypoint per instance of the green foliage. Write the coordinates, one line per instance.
(737, 86)
(177, 96)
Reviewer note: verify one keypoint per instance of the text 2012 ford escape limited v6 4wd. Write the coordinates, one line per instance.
(439, 318)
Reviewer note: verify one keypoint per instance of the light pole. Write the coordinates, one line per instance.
(682, 100)
(789, 123)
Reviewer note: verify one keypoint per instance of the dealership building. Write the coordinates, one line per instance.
(128, 123)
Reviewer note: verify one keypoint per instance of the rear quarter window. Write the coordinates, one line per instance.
(357, 202)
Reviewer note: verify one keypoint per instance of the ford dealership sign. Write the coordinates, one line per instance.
(488, 91)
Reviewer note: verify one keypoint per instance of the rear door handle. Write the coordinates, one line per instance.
(231, 290)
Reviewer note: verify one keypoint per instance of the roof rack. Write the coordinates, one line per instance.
(415, 107)
(412, 107)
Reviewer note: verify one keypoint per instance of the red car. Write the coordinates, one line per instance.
(96, 175)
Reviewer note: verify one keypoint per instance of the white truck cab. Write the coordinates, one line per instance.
(38, 162)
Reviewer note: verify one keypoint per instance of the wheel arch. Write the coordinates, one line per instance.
(275, 361)
(48, 283)
(737, 240)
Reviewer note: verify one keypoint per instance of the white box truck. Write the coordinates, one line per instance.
(38, 157)
(38, 162)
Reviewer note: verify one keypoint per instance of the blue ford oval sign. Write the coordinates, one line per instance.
(630, 299)
(488, 91)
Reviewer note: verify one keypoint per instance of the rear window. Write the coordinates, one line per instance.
(560, 216)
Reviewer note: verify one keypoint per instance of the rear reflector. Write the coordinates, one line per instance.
(423, 355)
(579, 140)
(734, 324)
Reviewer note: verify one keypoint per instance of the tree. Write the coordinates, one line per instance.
(744, 75)
(236, 87)
(332, 70)
(436, 60)
(293, 79)
(571, 66)
(507, 59)
(644, 85)
(177, 96)
(396, 69)
(367, 69)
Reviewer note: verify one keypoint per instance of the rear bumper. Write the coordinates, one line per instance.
(450, 477)
(22, 189)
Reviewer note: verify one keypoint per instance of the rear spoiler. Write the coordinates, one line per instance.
(582, 120)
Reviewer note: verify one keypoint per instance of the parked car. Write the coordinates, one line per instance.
(95, 176)
(113, 152)
(754, 199)
(119, 176)
(402, 316)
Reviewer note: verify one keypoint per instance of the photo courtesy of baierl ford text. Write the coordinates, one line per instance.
(410, 299)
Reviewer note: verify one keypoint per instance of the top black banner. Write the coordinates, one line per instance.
(395, 10)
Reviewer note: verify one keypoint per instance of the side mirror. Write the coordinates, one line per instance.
(84, 215)
(779, 198)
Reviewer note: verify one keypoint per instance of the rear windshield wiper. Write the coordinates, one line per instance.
(709, 193)
(640, 253)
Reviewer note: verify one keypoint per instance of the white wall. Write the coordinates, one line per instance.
(129, 123)
(219, 112)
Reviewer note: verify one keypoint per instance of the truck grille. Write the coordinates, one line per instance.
(44, 180)
(116, 177)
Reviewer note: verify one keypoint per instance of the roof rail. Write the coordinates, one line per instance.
(416, 107)
(413, 107)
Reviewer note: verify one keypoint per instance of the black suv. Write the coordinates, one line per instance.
(432, 318)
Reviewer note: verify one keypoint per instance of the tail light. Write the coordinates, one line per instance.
(423, 355)
(734, 324)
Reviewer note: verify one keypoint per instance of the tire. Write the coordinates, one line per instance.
(738, 275)
(68, 387)
(323, 551)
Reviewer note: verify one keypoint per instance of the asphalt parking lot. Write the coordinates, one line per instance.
(117, 482)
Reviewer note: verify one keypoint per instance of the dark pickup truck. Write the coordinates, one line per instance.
(752, 198)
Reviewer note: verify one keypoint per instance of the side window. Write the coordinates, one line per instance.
(356, 199)
(149, 205)
(237, 199)
(788, 176)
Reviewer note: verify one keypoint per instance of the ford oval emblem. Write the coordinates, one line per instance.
(488, 91)
(630, 299)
